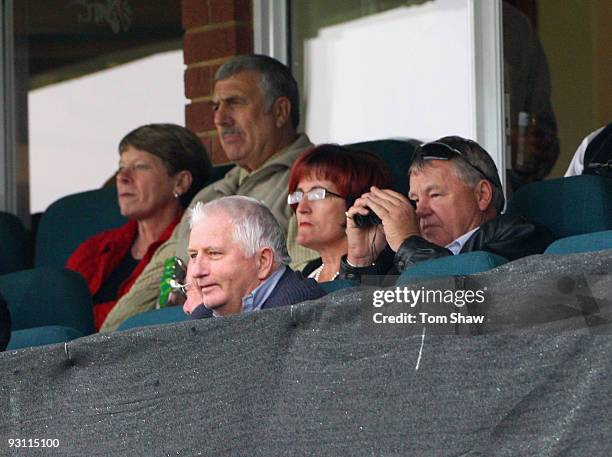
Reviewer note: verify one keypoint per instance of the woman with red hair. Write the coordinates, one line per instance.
(323, 184)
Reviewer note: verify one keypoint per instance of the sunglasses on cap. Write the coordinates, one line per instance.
(442, 151)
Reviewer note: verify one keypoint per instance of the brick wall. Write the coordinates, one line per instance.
(215, 30)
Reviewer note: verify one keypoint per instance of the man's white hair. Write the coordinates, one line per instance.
(254, 225)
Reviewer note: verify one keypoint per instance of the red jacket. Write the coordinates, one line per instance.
(96, 258)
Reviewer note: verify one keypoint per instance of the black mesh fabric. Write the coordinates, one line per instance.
(317, 380)
(5, 324)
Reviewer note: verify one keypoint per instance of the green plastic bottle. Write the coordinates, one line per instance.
(174, 273)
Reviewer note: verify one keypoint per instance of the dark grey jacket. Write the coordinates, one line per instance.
(5, 324)
(291, 288)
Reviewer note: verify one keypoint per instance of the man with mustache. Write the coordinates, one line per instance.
(238, 261)
(454, 206)
(256, 114)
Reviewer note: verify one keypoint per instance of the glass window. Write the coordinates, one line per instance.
(379, 69)
(97, 69)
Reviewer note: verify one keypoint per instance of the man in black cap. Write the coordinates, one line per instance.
(454, 206)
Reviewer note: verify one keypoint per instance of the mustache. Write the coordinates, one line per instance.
(230, 131)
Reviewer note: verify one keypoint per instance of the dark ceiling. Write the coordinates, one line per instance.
(69, 38)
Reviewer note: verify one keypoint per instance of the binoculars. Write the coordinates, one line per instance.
(368, 220)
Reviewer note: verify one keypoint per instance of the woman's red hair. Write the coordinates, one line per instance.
(353, 171)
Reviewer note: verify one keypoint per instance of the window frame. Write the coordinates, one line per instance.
(271, 27)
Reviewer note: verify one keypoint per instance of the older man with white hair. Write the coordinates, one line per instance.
(238, 261)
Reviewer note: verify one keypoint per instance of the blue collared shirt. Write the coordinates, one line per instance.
(456, 246)
(254, 300)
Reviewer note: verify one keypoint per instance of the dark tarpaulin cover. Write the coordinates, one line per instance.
(319, 379)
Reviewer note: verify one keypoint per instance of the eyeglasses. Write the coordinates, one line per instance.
(316, 193)
(442, 151)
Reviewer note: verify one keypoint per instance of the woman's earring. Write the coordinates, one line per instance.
(176, 194)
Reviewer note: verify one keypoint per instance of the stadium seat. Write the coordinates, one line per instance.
(48, 296)
(338, 284)
(567, 206)
(397, 154)
(589, 242)
(13, 239)
(40, 336)
(155, 317)
(455, 265)
(71, 220)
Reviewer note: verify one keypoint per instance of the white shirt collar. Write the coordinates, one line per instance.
(456, 246)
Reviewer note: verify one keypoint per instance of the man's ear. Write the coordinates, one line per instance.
(183, 182)
(281, 109)
(265, 263)
(484, 194)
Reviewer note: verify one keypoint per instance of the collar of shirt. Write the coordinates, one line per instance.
(456, 246)
(254, 300)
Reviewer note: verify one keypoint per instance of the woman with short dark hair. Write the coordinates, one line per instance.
(161, 167)
(323, 184)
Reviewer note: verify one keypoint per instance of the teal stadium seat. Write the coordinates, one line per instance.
(588, 242)
(455, 265)
(567, 206)
(48, 296)
(338, 284)
(397, 154)
(73, 219)
(40, 336)
(13, 244)
(155, 317)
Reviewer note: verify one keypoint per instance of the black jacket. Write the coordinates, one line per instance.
(511, 237)
(312, 266)
(5, 324)
(291, 288)
(598, 154)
